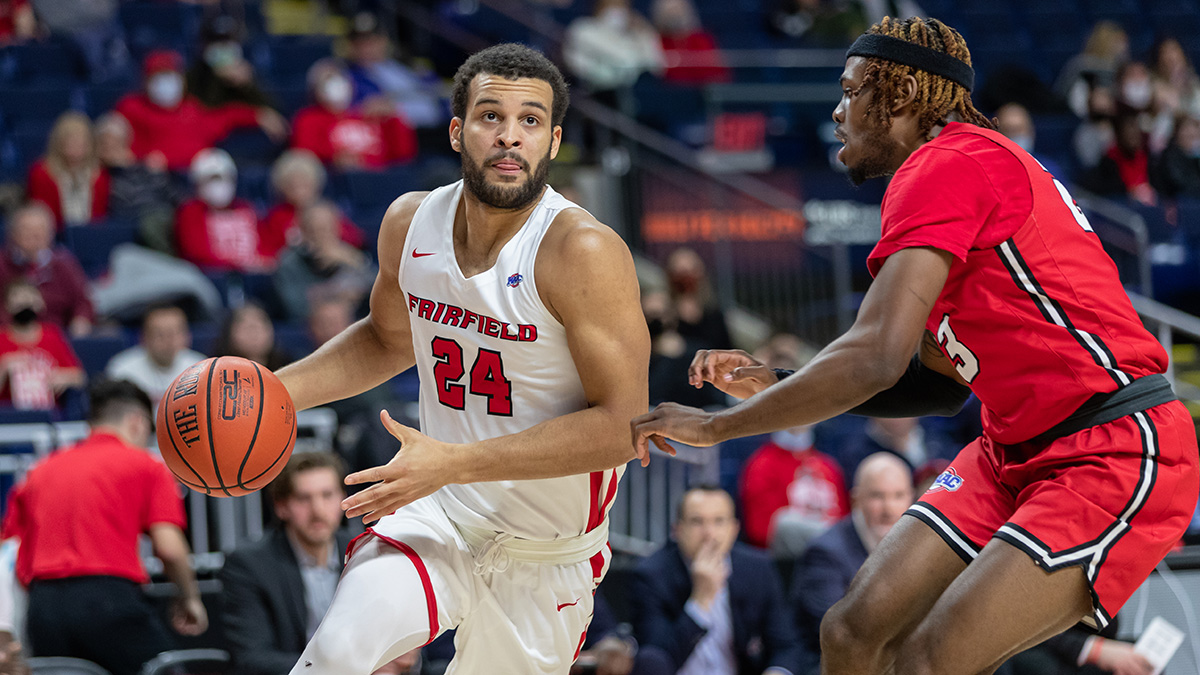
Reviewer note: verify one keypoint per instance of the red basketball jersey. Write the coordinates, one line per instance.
(1033, 314)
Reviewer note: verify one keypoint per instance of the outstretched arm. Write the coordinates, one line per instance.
(867, 359)
(586, 277)
(374, 349)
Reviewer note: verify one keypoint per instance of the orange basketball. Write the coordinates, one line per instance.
(226, 426)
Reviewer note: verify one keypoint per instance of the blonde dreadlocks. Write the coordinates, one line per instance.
(937, 97)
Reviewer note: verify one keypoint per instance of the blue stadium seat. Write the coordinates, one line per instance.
(95, 352)
(1055, 133)
(151, 25)
(29, 143)
(92, 244)
(254, 183)
(371, 188)
(42, 104)
(101, 99)
(291, 58)
(288, 100)
(249, 146)
(44, 63)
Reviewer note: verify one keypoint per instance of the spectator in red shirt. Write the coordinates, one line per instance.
(36, 361)
(791, 492)
(78, 516)
(17, 22)
(298, 178)
(371, 137)
(690, 52)
(31, 255)
(69, 178)
(215, 229)
(170, 126)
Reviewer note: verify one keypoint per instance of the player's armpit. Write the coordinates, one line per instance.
(374, 349)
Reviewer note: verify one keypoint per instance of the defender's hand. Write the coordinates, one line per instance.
(419, 469)
(673, 421)
(733, 371)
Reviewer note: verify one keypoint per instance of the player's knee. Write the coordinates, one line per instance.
(845, 629)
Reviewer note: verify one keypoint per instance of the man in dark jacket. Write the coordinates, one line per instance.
(276, 590)
(712, 605)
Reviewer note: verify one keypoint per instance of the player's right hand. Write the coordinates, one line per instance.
(733, 371)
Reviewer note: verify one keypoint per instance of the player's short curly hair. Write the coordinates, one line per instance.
(937, 97)
(510, 61)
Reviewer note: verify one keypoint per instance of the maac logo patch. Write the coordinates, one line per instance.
(515, 280)
(949, 480)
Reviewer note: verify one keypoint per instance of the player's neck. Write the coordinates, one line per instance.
(480, 231)
(909, 139)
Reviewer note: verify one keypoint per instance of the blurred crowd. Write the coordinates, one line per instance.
(240, 220)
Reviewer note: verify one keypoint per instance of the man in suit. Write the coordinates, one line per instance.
(276, 590)
(882, 491)
(713, 606)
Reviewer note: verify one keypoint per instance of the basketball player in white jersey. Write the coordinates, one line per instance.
(521, 313)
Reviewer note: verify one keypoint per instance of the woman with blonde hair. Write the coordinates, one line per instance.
(298, 179)
(69, 179)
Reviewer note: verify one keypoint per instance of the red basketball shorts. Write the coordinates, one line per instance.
(1113, 499)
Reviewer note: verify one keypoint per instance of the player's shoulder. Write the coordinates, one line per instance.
(397, 219)
(578, 235)
(963, 145)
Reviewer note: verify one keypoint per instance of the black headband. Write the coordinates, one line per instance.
(911, 54)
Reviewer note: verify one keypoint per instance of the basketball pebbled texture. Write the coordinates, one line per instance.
(226, 427)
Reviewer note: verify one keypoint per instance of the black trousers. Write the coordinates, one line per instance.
(107, 620)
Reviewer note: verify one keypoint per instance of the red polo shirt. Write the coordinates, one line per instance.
(80, 511)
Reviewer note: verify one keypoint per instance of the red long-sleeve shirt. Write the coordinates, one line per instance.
(44, 188)
(219, 238)
(376, 142)
(184, 131)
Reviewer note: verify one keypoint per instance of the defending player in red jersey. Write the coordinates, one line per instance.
(1086, 472)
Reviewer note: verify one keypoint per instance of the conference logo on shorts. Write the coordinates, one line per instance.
(949, 480)
(515, 280)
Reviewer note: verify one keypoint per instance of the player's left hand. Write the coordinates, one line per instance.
(419, 469)
(676, 422)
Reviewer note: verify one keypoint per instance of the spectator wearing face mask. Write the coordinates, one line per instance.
(36, 361)
(1177, 171)
(1125, 167)
(370, 137)
(222, 74)
(217, 230)
(170, 126)
(1014, 122)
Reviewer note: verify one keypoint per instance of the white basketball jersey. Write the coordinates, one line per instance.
(494, 361)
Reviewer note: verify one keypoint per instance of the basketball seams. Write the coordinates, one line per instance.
(257, 425)
(287, 446)
(230, 432)
(208, 405)
(203, 485)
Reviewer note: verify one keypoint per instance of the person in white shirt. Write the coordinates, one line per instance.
(163, 353)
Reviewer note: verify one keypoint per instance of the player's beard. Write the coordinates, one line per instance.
(879, 150)
(508, 197)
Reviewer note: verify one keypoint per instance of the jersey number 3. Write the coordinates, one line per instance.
(486, 378)
(963, 358)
